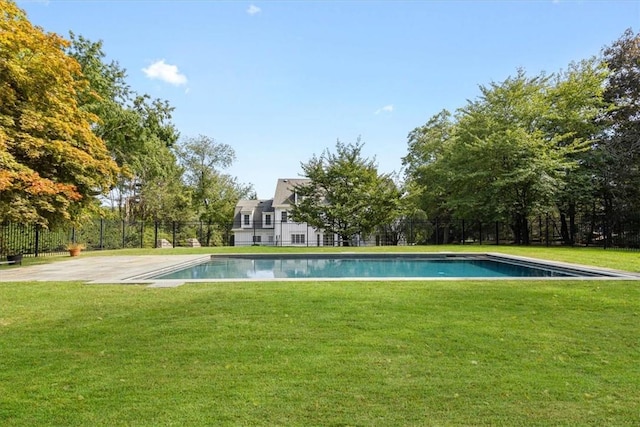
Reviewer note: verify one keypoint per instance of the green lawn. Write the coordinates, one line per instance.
(560, 353)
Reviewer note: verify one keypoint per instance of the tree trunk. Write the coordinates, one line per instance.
(592, 226)
(515, 227)
(208, 235)
(520, 229)
(572, 224)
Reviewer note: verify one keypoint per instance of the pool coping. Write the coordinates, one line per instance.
(137, 269)
(598, 272)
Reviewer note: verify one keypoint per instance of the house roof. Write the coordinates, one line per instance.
(254, 207)
(257, 206)
(284, 190)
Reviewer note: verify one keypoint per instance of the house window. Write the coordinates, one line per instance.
(297, 239)
(284, 216)
(267, 219)
(257, 239)
(247, 219)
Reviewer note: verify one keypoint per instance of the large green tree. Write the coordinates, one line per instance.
(52, 165)
(427, 183)
(138, 133)
(576, 103)
(214, 194)
(499, 159)
(620, 144)
(346, 194)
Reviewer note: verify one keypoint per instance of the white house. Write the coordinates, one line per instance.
(268, 222)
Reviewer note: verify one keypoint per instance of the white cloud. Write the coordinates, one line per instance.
(166, 72)
(253, 10)
(385, 109)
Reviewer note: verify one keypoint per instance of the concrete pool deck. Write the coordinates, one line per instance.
(136, 270)
(102, 269)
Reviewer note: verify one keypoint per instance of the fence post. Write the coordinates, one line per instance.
(173, 241)
(480, 226)
(101, 233)
(546, 233)
(141, 234)
(123, 231)
(540, 228)
(411, 240)
(497, 233)
(463, 238)
(37, 240)
(155, 234)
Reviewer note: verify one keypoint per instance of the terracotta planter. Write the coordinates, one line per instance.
(74, 252)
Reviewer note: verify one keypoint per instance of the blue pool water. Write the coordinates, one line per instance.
(296, 267)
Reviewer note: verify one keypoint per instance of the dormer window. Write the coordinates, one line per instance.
(246, 219)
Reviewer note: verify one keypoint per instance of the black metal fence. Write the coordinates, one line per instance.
(109, 234)
(19, 239)
(541, 230)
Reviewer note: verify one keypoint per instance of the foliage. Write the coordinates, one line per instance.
(620, 145)
(346, 195)
(577, 103)
(71, 246)
(139, 135)
(214, 194)
(51, 163)
(507, 155)
(426, 182)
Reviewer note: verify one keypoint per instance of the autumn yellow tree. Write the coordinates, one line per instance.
(52, 166)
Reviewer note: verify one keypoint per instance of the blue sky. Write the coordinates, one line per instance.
(280, 81)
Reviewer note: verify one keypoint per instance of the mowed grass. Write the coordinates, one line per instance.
(445, 353)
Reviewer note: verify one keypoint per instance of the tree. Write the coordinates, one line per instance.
(346, 195)
(51, 163)
(575, 104)
(214, 194)
(152, 168)
(427, 185)
(504, 158)
(400, 228)
(159, 193)
(138, 133)
(620, 145)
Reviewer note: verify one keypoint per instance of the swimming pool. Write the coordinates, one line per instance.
(374, 266)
